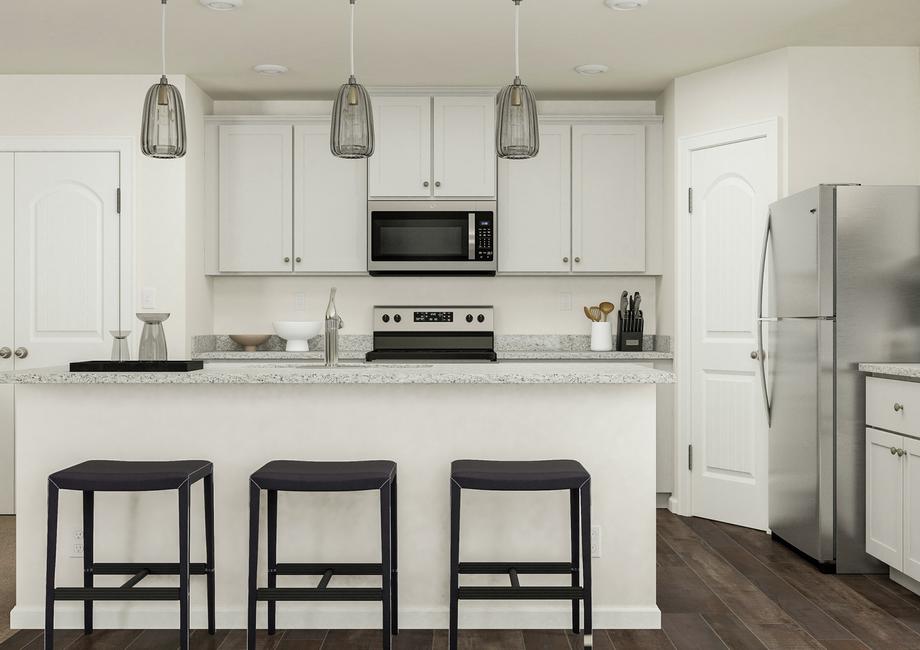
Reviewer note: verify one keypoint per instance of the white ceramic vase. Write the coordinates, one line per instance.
(601, 337)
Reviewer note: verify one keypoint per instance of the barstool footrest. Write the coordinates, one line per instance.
(521, 593)
(154, 568)
(116, 593)
(317, 569)
(338, 594)
(522, 568)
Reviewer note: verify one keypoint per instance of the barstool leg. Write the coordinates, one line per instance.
(184, 541)
(88, 498)
(386, 566)
(209, 547)
(453, 630)
(576, 551)
(395, 554)
(586, 557)
(51, 561)
(253, 563)
(272, 554)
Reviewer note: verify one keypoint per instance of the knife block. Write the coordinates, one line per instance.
(629, 332)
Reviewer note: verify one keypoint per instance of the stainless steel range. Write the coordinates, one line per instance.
(433, 334)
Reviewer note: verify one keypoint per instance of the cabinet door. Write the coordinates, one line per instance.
(464, 146)
(911, 464)
(884, 497)
(534, 204)
(256, 198)
(608, 199)
(6, 332)
(330, 206)
(401, 164)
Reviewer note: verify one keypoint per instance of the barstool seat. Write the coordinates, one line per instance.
(130, 476)
(317, 476)
(519, 475)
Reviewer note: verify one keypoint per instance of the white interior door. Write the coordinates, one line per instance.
(733, 185)
(7, 344)
(67, 256)
(330, 206)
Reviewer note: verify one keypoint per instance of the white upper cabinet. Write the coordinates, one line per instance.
(255, 198)
(401, 164)
(464, 146)
(535, 208)
(608, 199)
(330, 206)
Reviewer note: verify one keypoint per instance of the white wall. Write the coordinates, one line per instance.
(110, 105)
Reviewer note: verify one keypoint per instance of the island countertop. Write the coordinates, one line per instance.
(366, 373)
(904, 370)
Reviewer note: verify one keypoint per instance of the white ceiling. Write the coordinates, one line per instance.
(433, 42)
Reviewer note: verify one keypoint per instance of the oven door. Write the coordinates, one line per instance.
(420, 238)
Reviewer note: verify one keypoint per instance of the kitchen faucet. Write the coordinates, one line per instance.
(333, 324)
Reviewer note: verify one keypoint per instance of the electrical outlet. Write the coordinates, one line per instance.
(595, 541)
(300, 302)
(148, 298)
(565, 301)
(76, 549)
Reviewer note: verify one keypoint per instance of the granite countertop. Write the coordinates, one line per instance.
(354, 347)
(361, 373)
(906, 370)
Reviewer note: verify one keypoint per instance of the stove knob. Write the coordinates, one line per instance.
(469, 318)
(386, 318)
(397, 318)
(481, 318)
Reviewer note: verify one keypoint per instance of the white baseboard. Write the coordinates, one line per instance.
(904, 580)
(673, 505)
(662, 499)
(115, 616)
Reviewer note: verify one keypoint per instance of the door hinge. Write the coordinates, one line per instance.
(118, 201)
(690, 199)
(690, 457)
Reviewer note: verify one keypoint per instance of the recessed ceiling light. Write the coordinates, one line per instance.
(625, 5)
(221, 5)
(591, 69)
(270, 69)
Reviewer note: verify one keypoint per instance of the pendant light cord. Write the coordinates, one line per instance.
(351, 60)
(517, 38)
(163, 38)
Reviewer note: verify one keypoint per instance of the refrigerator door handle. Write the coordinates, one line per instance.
(761, 354)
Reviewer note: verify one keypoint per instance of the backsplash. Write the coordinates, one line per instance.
(523, 305)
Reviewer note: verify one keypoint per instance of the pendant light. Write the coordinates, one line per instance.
(517, 132)
(163, 124)
(352, 116)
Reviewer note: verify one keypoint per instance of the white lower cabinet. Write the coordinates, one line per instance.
(893, 474)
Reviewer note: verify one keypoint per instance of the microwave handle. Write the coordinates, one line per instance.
(471, 236)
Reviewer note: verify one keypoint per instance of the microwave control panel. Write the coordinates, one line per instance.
(485, 241)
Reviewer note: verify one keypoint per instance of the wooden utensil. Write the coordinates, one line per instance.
(596, 314)
(607, 308)
(588, 313)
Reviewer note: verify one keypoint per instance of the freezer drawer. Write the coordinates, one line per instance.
(893, 405)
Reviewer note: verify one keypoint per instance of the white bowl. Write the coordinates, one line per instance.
(297, 333)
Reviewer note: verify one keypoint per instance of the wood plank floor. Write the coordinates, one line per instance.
(719, 587)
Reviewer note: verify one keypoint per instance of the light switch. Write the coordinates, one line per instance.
(565, 301)
(148, 298)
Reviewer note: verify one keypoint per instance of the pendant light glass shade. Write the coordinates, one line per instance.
(517, 127)
(352, 116)
(163, 121)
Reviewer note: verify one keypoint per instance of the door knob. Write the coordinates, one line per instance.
(21, 353)
(5, 353)
(755, 354)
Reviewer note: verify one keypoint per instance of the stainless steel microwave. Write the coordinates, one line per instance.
(431, 238)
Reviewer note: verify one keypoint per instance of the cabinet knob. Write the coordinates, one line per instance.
(901, 452)
(426, 184)
(437, 183)
(893, 450)
(5, 353)
(565, 259)
(898, 407)
(755, 354)
(577, 260)
(287, 259)
(297, 259)
(21, 353)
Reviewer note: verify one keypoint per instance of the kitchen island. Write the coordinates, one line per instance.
(422, 416)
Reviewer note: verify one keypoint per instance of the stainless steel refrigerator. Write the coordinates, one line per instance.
(840, 285)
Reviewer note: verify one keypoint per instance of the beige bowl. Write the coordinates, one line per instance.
(250, 342)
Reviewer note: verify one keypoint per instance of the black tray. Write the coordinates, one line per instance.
(179, 365)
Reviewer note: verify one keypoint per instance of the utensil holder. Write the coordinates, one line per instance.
(601, 337)
(629, 332)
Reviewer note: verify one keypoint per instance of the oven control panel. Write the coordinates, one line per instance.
(474, 318)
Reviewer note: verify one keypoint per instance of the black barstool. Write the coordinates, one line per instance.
(131, 476)
(522, 476)
(307, 476)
